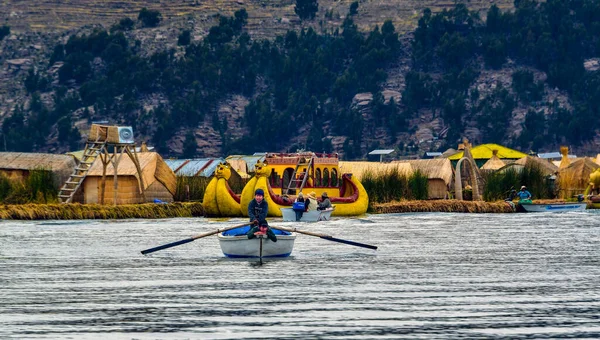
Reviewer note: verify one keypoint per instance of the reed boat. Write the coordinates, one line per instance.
(236, 244)
(219, 199)
(283, 176)
(308, 216)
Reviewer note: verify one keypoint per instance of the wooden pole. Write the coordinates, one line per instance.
(115, 162)
(105, 160)
(134, 158)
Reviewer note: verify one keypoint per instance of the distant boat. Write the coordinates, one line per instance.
(555, 207)
(289, 215)
(236, 244)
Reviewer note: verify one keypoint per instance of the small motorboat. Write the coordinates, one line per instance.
(236, 244)
(555, 207)
(289, 215)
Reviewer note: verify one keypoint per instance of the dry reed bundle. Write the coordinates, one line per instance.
(96, 211)
(442, 206)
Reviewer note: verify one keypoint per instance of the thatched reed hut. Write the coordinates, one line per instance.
(575, 178)
(17, 165)
(159, 181)
(484, 152)
(493, 163)
(360, 169)
(439, 174)
(546, 167)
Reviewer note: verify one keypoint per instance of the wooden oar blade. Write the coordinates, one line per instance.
(352, 243)
(187, 240)
(169, 245)
(327, 237)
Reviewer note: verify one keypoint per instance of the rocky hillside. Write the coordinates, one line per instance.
(38, 26)
(266, 18)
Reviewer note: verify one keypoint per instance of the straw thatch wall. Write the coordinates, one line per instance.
(159, 181)
(575, 178)
(359, 169)
(16, 165)
(439, 175)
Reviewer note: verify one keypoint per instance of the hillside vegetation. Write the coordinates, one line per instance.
(517, 77)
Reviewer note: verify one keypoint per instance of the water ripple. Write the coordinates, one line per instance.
(435, 276)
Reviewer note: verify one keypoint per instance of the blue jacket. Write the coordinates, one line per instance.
(524, 194)
(258, 211)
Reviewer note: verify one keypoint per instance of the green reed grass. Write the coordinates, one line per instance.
(499, 184)
(5, 187)
(191, 188)
(392, 185)
(38, 187)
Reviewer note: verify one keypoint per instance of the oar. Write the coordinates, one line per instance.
(187, 240)
(327, 237)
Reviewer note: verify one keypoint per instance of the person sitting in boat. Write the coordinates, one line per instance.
(524, 194)
(257, 210)
(300, 206)
(311, 201)
(325, 202)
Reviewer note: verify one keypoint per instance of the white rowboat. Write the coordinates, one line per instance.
(308, 216)
(560, 207)
(243, 247)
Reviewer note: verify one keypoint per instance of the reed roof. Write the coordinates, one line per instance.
(152, 165)
(486, 151)
(433, 168)
(359, 169)
(493, 163)
(582, 167)
(548, 168)
(30, 161)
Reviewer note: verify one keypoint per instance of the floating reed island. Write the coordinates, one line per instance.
(442, 206)
(77, 211)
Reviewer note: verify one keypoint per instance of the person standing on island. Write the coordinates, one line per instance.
(257, 210)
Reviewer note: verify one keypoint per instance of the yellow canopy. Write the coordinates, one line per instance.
(485, 151)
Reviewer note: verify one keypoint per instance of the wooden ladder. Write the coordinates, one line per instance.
(90, 153)
(294, 181)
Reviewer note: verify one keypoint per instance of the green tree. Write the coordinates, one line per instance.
(353, 8)
(149, 18)
(185, 37)
(306, 9)
(4, 32)
(190, 147)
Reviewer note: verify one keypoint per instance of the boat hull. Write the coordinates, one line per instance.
(289, 215)
(242, 247)
(554, 207)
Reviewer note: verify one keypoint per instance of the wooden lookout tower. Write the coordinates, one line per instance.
(109, 143)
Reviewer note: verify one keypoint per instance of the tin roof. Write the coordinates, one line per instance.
(204, 167)
(382, 152)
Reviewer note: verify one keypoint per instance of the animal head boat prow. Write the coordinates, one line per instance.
(223, 170)
(262, 169)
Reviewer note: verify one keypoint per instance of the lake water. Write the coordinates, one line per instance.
(434, 276)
